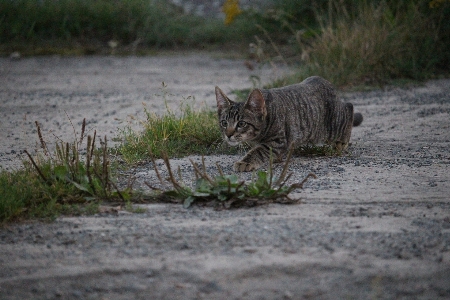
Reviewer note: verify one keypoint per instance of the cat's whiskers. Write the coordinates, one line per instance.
(243, 148)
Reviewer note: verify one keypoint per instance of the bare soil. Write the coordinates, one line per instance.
(375, 224)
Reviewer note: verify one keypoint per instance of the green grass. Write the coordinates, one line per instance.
(176, 133)
(62, 181)
(24, 195)
(15, 190)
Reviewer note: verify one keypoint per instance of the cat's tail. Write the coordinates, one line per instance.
(357, 119)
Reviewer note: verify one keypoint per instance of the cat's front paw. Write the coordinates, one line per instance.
(242, 166)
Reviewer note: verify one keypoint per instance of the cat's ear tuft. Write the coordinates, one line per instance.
(222, 99)
(256, 103)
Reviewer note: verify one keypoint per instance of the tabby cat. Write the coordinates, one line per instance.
(274, 120)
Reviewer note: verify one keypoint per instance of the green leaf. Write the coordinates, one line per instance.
(219, 189)
(222, 197)
(97, 184)
(202, 186)
(84, 187)
(268, 193)
(253, 190)
(83, 179)
(262, 180)
(188, 201)
(233, 190)
(203, 195)
(81, 169)
(234, 179)
(61, 172)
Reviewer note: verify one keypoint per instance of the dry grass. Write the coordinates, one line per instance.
(369, 48)
(371, 42)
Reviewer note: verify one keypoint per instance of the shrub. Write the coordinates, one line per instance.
(353, 42)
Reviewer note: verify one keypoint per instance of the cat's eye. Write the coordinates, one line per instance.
(241, 124)
(223, 123)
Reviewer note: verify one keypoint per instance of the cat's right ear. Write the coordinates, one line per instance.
(222, 100)
(256, 103)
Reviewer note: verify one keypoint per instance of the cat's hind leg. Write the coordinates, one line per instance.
(342, 143)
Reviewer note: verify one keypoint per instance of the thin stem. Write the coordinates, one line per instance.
(35, 166)
(152, 157)
(174, 182)
(286, 165)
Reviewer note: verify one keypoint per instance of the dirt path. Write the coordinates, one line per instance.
(374, 225)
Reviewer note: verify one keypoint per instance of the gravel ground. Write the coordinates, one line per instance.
(374, 225)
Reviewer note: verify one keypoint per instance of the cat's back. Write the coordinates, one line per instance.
(312, 89)
(310, 110)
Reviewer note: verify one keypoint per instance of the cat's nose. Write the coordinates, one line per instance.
(229, 132)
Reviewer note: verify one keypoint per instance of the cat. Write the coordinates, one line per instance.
(274, 120)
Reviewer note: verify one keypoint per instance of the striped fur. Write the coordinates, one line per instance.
(276, 119)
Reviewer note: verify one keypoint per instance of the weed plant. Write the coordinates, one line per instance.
(53, 183)
(228, 191)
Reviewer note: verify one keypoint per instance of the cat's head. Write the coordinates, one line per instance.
(241, 122)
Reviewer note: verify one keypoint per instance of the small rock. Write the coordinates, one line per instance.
(15, 55)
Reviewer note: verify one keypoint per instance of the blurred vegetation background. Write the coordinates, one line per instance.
(346, 41)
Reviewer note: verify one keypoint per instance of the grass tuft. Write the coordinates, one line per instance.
(228, 191)
(177, 134)
(63, 181)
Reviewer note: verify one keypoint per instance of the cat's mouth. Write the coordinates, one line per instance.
(232, 142)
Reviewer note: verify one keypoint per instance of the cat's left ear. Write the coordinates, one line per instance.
(256, 103)
(222, 100)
